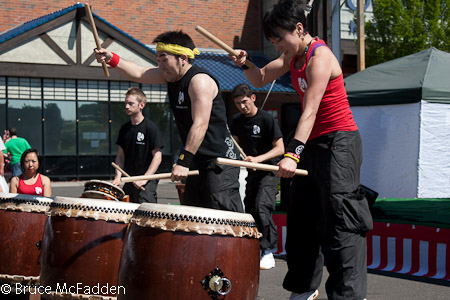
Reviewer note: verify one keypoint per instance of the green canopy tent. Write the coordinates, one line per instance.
(402, 110)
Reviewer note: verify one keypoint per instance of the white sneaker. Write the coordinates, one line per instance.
(305, 296)
(267, 261)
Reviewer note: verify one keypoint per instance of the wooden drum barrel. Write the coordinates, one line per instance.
(81, 249)
(22, 219)
(185, 252)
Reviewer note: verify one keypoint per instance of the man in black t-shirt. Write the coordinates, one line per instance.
(200, 114)
(261, 139)
(139, 151)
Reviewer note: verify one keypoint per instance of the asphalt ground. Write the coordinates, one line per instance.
(381, 285)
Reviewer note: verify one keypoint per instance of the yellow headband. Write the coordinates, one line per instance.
(177, 49)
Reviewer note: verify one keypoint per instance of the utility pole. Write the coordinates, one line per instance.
(336, 29)
(360, 35)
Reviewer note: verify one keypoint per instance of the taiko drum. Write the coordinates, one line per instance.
(183, 252)
(82, 245)
(22, 219)
(99, 189)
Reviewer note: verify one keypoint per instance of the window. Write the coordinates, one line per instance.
(60, 128)
(26, 117)
(93, 128)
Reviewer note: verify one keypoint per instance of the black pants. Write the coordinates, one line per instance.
(328, 216)
(217, 187)
(140, 196)
(260, 201)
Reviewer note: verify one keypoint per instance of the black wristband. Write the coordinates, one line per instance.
(185, 159)
(295, 146)
(245, 67)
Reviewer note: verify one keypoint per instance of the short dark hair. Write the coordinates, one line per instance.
(241, 90)
(138, 93)
(12, 131)
(178, 38)
(283, 15)
(25, 153)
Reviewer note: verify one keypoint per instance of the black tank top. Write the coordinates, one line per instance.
(217, 141)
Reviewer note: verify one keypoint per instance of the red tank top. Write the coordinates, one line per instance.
(334, 112)
(34, 189)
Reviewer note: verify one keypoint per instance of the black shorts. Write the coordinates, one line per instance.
(217, 187)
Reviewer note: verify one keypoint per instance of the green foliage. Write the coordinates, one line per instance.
(403, 27)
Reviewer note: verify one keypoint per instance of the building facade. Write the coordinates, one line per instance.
(55, 93)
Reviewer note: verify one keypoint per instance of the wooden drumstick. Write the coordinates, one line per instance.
(221, 44)
(241, 151)
(154, 176)
(97, 40)
(257, 166)
(116, 166)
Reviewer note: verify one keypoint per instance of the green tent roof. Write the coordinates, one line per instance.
(421, 76)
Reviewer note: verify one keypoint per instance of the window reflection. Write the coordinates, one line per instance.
(118, 118)
(2, 115)
(59, 128)
(93, 136)
(159, 113)
(26, 117)
(45, 112)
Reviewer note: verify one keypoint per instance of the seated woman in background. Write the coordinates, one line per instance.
(31, 182)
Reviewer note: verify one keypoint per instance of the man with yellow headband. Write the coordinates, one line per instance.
(200, 115)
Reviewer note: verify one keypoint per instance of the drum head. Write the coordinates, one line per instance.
(96, 209)
(195, 219)
(99, 189)
(22, 202)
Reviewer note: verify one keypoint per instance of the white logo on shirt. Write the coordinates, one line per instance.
(180, 98)
(230, 151)
(299, 149)
(140, 136)
(302, 84)
(256, 129)
(38, 190)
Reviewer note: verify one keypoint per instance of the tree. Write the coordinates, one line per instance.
(403, 27)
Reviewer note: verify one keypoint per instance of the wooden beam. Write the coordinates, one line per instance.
(91, 58)
(56, 71)
(360, 34)
(118, 36)
(61, 53)
(26, 36)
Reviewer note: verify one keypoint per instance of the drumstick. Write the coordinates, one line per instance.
(221, 44)
(154, 176)
(97, 40)
(257, 166)
(116, 166)
(241, 151)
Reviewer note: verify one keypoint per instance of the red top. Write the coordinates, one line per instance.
(334, 112)
(30, 189)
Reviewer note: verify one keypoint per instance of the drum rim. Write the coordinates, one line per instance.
(25, 197)
(104, 182)
(99, 193)
(24, 203)
(186, 210)
(94, 202)
(223, 223)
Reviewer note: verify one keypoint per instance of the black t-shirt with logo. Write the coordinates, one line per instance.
(256, 134)
(138, 142)
(217, 141)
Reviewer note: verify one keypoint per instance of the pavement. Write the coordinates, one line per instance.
(381, 285)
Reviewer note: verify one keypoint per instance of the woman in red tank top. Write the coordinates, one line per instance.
(31, 182)
(327, 211)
